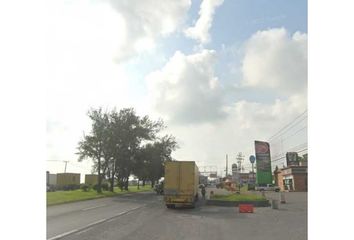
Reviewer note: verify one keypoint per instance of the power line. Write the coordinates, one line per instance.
(289, 124)
(295, 133)
(287, 130)
(293, 148)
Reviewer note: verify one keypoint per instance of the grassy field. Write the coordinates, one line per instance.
(59, 197)
(238, 197)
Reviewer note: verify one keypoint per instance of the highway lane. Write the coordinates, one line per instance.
(152, 220)
(65, 218)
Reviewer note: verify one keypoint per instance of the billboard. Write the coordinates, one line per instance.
(263, 163)
(291, 159)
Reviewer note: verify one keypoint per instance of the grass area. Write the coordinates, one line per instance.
(243, 189)
(59, 197)
(238, 197)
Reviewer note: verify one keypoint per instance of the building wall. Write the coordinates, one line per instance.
(52, 179)
(300, 182)
(295, 177)
(91, 179)
(64, 179)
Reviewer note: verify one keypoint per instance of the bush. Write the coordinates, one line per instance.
(71, 187)
(85, 187)
(104, 186)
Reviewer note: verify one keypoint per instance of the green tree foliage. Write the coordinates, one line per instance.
(123, 143)
(92, 145)
(153, 157)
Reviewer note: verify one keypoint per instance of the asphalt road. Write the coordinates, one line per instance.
(144, 216)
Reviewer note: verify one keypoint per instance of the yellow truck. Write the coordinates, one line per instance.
(181, 183)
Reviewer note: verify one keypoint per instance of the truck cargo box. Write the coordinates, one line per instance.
(181, 183)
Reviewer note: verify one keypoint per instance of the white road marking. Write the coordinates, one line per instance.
(63, 234)
(85, 230)
(87, 227)
(97, 222)
(90, 208)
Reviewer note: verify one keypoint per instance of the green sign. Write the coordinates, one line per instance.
(263, 163)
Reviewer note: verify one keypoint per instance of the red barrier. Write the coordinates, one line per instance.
(245, 208)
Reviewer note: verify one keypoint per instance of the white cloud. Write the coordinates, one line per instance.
(275, 60)
(272, 60)
(200, 31)
(82, 40)
(114, 29)
(246, 122)
(146, 21)
(186, 89)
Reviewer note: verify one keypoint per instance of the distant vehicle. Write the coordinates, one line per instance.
(159, 188)
(267, 187)
(181, 183)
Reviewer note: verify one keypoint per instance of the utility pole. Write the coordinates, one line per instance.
(239, 159)
(66, 162)
(226, 166)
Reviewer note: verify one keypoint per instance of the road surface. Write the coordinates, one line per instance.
(144, 216)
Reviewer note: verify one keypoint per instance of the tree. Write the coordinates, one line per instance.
(156, 154)
(116, 146)
(130, 130)
(92, 145)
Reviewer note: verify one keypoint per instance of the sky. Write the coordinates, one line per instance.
(220, 73)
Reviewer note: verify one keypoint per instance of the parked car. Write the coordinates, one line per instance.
(267, 187)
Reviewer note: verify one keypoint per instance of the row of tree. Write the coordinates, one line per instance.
(122, 143)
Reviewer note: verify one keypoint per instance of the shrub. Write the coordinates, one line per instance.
(105, 186)
(85, 187)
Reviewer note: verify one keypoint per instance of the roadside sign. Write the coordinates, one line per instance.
(291, 159)
(252, 159)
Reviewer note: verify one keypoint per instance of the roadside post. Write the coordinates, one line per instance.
(282, 197)
(275, 204)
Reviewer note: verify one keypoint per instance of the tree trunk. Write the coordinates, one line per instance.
(126, 184)
(152, 183)
(138, 182)
(112, 180)
(99, 190)
(144, 183)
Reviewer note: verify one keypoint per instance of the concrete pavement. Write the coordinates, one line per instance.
(152, 220)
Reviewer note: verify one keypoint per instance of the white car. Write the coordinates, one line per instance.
(267, 187)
